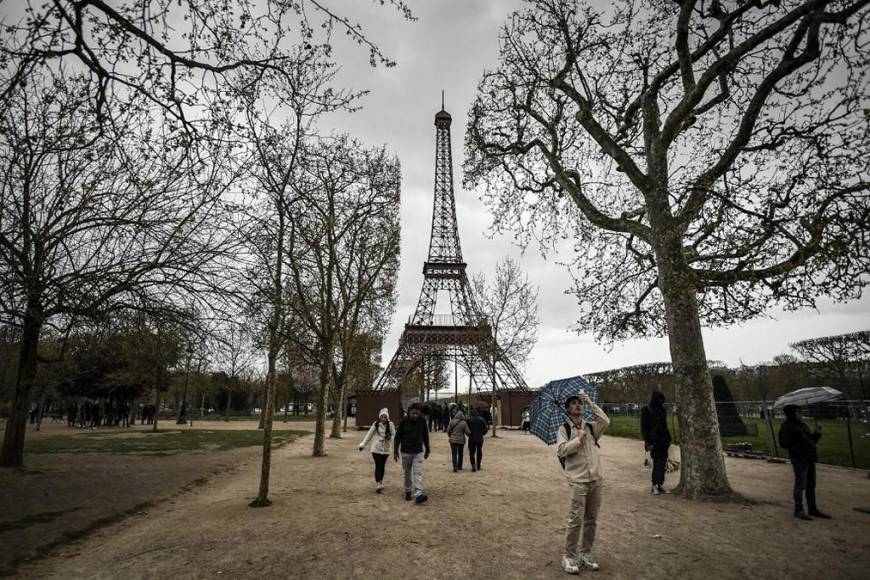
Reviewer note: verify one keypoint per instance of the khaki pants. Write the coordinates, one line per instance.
(582, 516)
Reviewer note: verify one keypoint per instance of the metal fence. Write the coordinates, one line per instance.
(751, 428)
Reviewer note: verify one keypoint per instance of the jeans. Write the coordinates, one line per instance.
(380, 465)
(475, 451)
(804, 482)
(582, 517)
(456, 451)
(412, 465)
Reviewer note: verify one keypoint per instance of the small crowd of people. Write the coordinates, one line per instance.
(578, 450)
(410, 442)
(147, 413)
(439, 415)
(93, 413)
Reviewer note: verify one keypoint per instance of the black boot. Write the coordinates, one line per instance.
(817, 514)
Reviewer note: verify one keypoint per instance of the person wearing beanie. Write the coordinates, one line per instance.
(381, 435)
(456, 432)
(577, 445)
(795, 436)
(412, 440)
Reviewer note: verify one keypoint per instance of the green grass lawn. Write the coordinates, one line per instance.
(162, 442)
(833, 447)
(277, 418)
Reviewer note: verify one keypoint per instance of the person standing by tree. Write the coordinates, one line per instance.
(577, 445)
(526, 420)
(412, 439)
(381, 435)
(656, 438)
(477, 428)
(456, 432)
(795, 436)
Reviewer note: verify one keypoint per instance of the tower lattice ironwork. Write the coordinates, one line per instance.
(465, 333)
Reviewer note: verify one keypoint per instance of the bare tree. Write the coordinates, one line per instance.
(709, 159)
(265, 218)
(177, 55)
(367, 266)
(836, 355)
(510, 304)
(342, 256)
(91, 224)
(435, 375)
(234, 354)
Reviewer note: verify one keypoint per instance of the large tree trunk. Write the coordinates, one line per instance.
(494, 402)
(320, 410)
(229, 399)
(12, 453)
(339, 409)
(262, 422)
(702, 469)
(266, 466)
(156, 409)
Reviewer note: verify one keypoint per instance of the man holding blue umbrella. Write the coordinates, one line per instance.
(577, 447)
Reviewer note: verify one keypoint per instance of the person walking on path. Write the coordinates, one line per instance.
(656, 438)
(477, 429)
(527, 420)
(412, 440)
(381, 435)
(795, 436)
(456, 432)
(577, 445)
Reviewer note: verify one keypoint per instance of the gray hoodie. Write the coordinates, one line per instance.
(458, 428)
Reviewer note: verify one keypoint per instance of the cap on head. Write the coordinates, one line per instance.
(790, 411)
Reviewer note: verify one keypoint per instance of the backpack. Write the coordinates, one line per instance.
(568, 432)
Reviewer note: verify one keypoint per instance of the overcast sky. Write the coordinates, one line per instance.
(448, 48)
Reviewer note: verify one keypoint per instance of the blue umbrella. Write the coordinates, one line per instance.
(547, 413)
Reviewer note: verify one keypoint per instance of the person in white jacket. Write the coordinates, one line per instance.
(381, 435)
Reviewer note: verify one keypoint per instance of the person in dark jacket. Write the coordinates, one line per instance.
(412, 439)
(477, 429)
(795, 436)
(656, 438)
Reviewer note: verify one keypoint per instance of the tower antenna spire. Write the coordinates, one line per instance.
(442, 99)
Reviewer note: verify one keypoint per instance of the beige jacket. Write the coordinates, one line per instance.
(582, 460)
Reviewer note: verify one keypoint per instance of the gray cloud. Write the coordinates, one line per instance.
(448, 48)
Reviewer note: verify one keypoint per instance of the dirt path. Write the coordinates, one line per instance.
(503, 522)
(65, 495)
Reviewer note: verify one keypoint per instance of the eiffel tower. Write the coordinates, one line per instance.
(464, 335)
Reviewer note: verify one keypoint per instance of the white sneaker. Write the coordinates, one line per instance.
(655, 490)
(662, 490)
(585, 560)
(569, 565)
